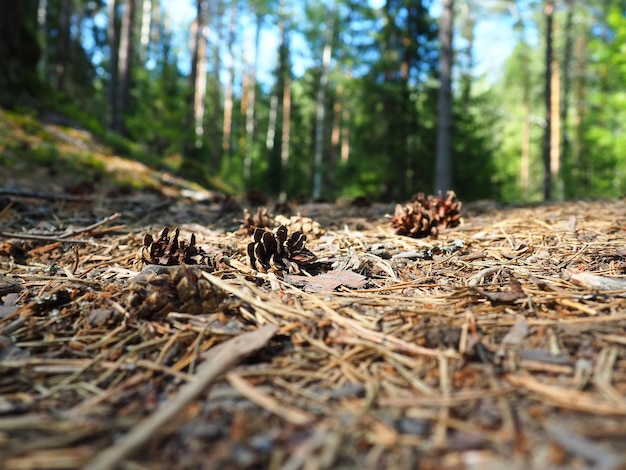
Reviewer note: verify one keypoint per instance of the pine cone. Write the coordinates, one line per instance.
(162, 290)
(277, 249)
(425, 216)
(169, 251)
(261, 219)
(298, 223)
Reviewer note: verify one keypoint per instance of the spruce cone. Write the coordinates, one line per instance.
(277, 249)
(425, 216)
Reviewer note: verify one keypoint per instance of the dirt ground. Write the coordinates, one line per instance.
(498, 344)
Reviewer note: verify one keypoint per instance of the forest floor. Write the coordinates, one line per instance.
(501, 343)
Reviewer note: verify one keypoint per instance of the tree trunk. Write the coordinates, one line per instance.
(200, 73)
(285, 140)
(320, 109)
(580, 112)
(555, 127)
(566, 78)
(146, 25)
(113, 41)
(443, 164)
(42, 24)
(125, 62)
(63, 46)
(547, 94)
(19, 52)
(251, 103)
(228, 91)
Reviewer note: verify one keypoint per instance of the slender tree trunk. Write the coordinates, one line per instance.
(566, 80)
(63, 45)
(113, 40)
(345, 126)
(547, 136)
(125, 62)
(271, 127)
(228, 91)
(42, 24)
(286, 137)
(146, 25)
(580, 111)
(217, 114)
(335, 135)
(320, 109)
(251, 103)
(468, 51)
(443, 164)
(200, 75)
(555, 128)
(526, 106)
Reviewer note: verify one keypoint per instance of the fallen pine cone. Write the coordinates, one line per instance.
(260, 219)
(168, 250)
(159, 290)
(279, 250)
(425, 216)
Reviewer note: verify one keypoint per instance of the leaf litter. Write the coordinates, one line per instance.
(499, 342)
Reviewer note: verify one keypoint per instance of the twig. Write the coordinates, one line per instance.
(65, 235)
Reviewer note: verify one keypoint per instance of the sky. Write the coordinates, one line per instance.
(494, 39)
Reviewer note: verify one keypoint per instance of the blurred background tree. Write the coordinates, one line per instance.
(332, 98)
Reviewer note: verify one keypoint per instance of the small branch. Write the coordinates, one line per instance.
(62, 238)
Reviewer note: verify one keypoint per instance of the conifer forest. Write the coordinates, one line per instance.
(338, 98)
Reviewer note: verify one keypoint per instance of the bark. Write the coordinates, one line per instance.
(443, 164)
(547, 94)
(19, 52)
(320, 110)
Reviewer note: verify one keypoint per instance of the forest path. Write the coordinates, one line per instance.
(498, 343)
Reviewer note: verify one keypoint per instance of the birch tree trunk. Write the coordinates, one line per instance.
(443, 164)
